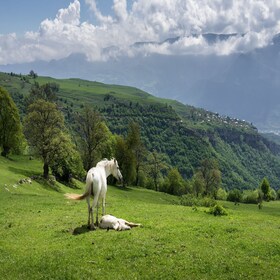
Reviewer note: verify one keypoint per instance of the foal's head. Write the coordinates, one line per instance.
(116, 170)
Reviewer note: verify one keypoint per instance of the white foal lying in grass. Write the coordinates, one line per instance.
(111, 222)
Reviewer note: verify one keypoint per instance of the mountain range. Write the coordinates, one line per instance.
(241, 85)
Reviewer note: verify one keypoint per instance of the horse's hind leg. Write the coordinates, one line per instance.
(103, 206)
(90, 215)
(95, 206)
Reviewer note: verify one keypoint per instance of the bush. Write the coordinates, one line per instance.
(272, 195)
(218, 210)
(191, 200)
(278, 194)
(250, 196)
(234, 195)
(221, 194)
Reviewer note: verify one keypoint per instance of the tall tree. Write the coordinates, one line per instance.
(176, 182)
(135, 143)
(265, 188)
(43, 126)
(66, 162)
(93, 133)
(156, 164)
(11, 136)
(47, 92)
(211, 175)
(126, 160)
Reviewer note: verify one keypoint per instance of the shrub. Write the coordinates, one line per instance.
(272, 195)
(278, 194)
(218, 210)
(234, 195)
(250, 196)
(221, 194)
(191, 200)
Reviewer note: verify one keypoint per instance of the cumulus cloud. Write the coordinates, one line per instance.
(152, 22)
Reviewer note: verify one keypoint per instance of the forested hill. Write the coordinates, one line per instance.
(183, 134)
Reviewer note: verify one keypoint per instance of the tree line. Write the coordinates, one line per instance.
(69, 150)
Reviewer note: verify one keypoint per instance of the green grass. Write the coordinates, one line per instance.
(43, 236)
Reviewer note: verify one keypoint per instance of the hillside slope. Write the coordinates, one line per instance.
(43, 235)
(185, 134)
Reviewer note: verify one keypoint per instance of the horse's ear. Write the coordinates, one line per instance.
(115, 161)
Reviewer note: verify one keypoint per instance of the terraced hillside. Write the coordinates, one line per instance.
(186, 135)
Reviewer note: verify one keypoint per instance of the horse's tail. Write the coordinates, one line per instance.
(75, 196)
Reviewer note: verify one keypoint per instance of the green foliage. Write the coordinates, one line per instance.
(183, 134)
(11, 136)
(251, 196)
(47, 92)
(234, 195)
(218, 210)
(210, 176)
(221, 194)
(126, 160)
(43, 126)
(175, 183)
(278, 194)
(67, 162)
(93, 135)
(199, 201)
(135, 144)
(265, 188)
(272, 195)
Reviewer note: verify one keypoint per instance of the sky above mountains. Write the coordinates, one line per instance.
(106, 30)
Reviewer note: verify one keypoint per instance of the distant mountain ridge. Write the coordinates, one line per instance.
(244, 85)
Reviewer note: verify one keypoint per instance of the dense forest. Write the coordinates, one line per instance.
(160, 143)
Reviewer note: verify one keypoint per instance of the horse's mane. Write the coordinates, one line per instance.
(104, 162)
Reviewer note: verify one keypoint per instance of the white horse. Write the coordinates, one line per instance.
(96, 185)
(112, 222)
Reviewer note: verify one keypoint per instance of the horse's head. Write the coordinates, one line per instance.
(116, 170)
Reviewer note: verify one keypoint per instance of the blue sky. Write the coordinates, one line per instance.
(20, 16)
(33, 30)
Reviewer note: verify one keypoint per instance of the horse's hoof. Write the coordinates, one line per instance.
(91, 227)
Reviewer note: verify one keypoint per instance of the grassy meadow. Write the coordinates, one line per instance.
(44, 236)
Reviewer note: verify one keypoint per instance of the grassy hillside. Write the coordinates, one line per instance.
(185, 134)
(43, 236)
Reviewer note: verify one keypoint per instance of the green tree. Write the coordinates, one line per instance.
(126, 160)
(135, 143)
(11, 136)
(155, 166)
(66, 162)
(265, 188)
(32, 74)
(43, 127)
(176, 182)
(211, 175)
(93, 133)
(47, 92)
(234, 195)
(197, 184)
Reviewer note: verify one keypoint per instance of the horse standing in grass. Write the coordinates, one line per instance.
(96, 186)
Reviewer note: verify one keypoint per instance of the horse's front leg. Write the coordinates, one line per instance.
(97, 222)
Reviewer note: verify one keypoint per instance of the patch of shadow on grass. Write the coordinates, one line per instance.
(24, 172)
(121, 188)
(81, 230)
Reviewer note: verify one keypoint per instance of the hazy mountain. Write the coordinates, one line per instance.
(246, 85)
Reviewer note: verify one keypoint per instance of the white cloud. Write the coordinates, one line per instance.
(255, 22)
